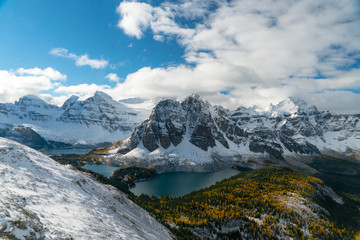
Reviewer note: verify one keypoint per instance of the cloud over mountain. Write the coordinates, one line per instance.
(303, 48)
(17, 83)
(237, 52)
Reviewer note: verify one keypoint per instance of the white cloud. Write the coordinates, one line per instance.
(113, 77)
(136, 17)
(336, 101)
(61, 52)
(82, 60)
(16, 84)
(47, 72)
(159, 38)
(262, 50)
(182, 80)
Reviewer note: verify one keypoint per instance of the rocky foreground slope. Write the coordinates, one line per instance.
(194, 135)
(95, 120)
(41, 199)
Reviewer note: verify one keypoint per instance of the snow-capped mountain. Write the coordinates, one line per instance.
(41, 199)
(96, 120)
(195, 135)
(292, 106)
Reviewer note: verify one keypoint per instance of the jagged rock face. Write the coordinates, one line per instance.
(293, 146)
(167, 123)
(228, 126)
(264, 141)
(283, 129)
(164, 127)
(170, 121)
(201, 125)
(349, 122)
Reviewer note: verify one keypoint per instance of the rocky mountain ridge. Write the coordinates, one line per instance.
(193, 132)
(95, 120)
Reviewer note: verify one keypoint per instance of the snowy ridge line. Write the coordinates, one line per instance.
(43, 199)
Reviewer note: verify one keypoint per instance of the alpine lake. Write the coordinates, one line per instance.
(173, 183)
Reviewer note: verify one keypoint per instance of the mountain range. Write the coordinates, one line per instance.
(180, 136)
(96, 121)
(195, 135)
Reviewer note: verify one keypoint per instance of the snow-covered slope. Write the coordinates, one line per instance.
(41, 199)
(198, 134)
(291, 106)
(95, 120)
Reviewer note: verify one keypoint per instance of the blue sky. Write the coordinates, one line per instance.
(32, 28)
(236, 52)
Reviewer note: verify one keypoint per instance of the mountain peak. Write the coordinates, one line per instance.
(297, 101)
(166, 103)
(30, 97)
(100, 98)
(70, 101)
(102, 95)
(292, 105)
(194, 101)
(166, 109)
(195, 95)
(31, 100)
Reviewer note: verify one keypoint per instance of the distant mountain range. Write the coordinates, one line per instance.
(194, 135)
(96, 121)
(187, 135)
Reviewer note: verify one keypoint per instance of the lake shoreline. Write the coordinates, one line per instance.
(168, 183)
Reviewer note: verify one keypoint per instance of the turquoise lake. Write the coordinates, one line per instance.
(180, 183)
(174, 183)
